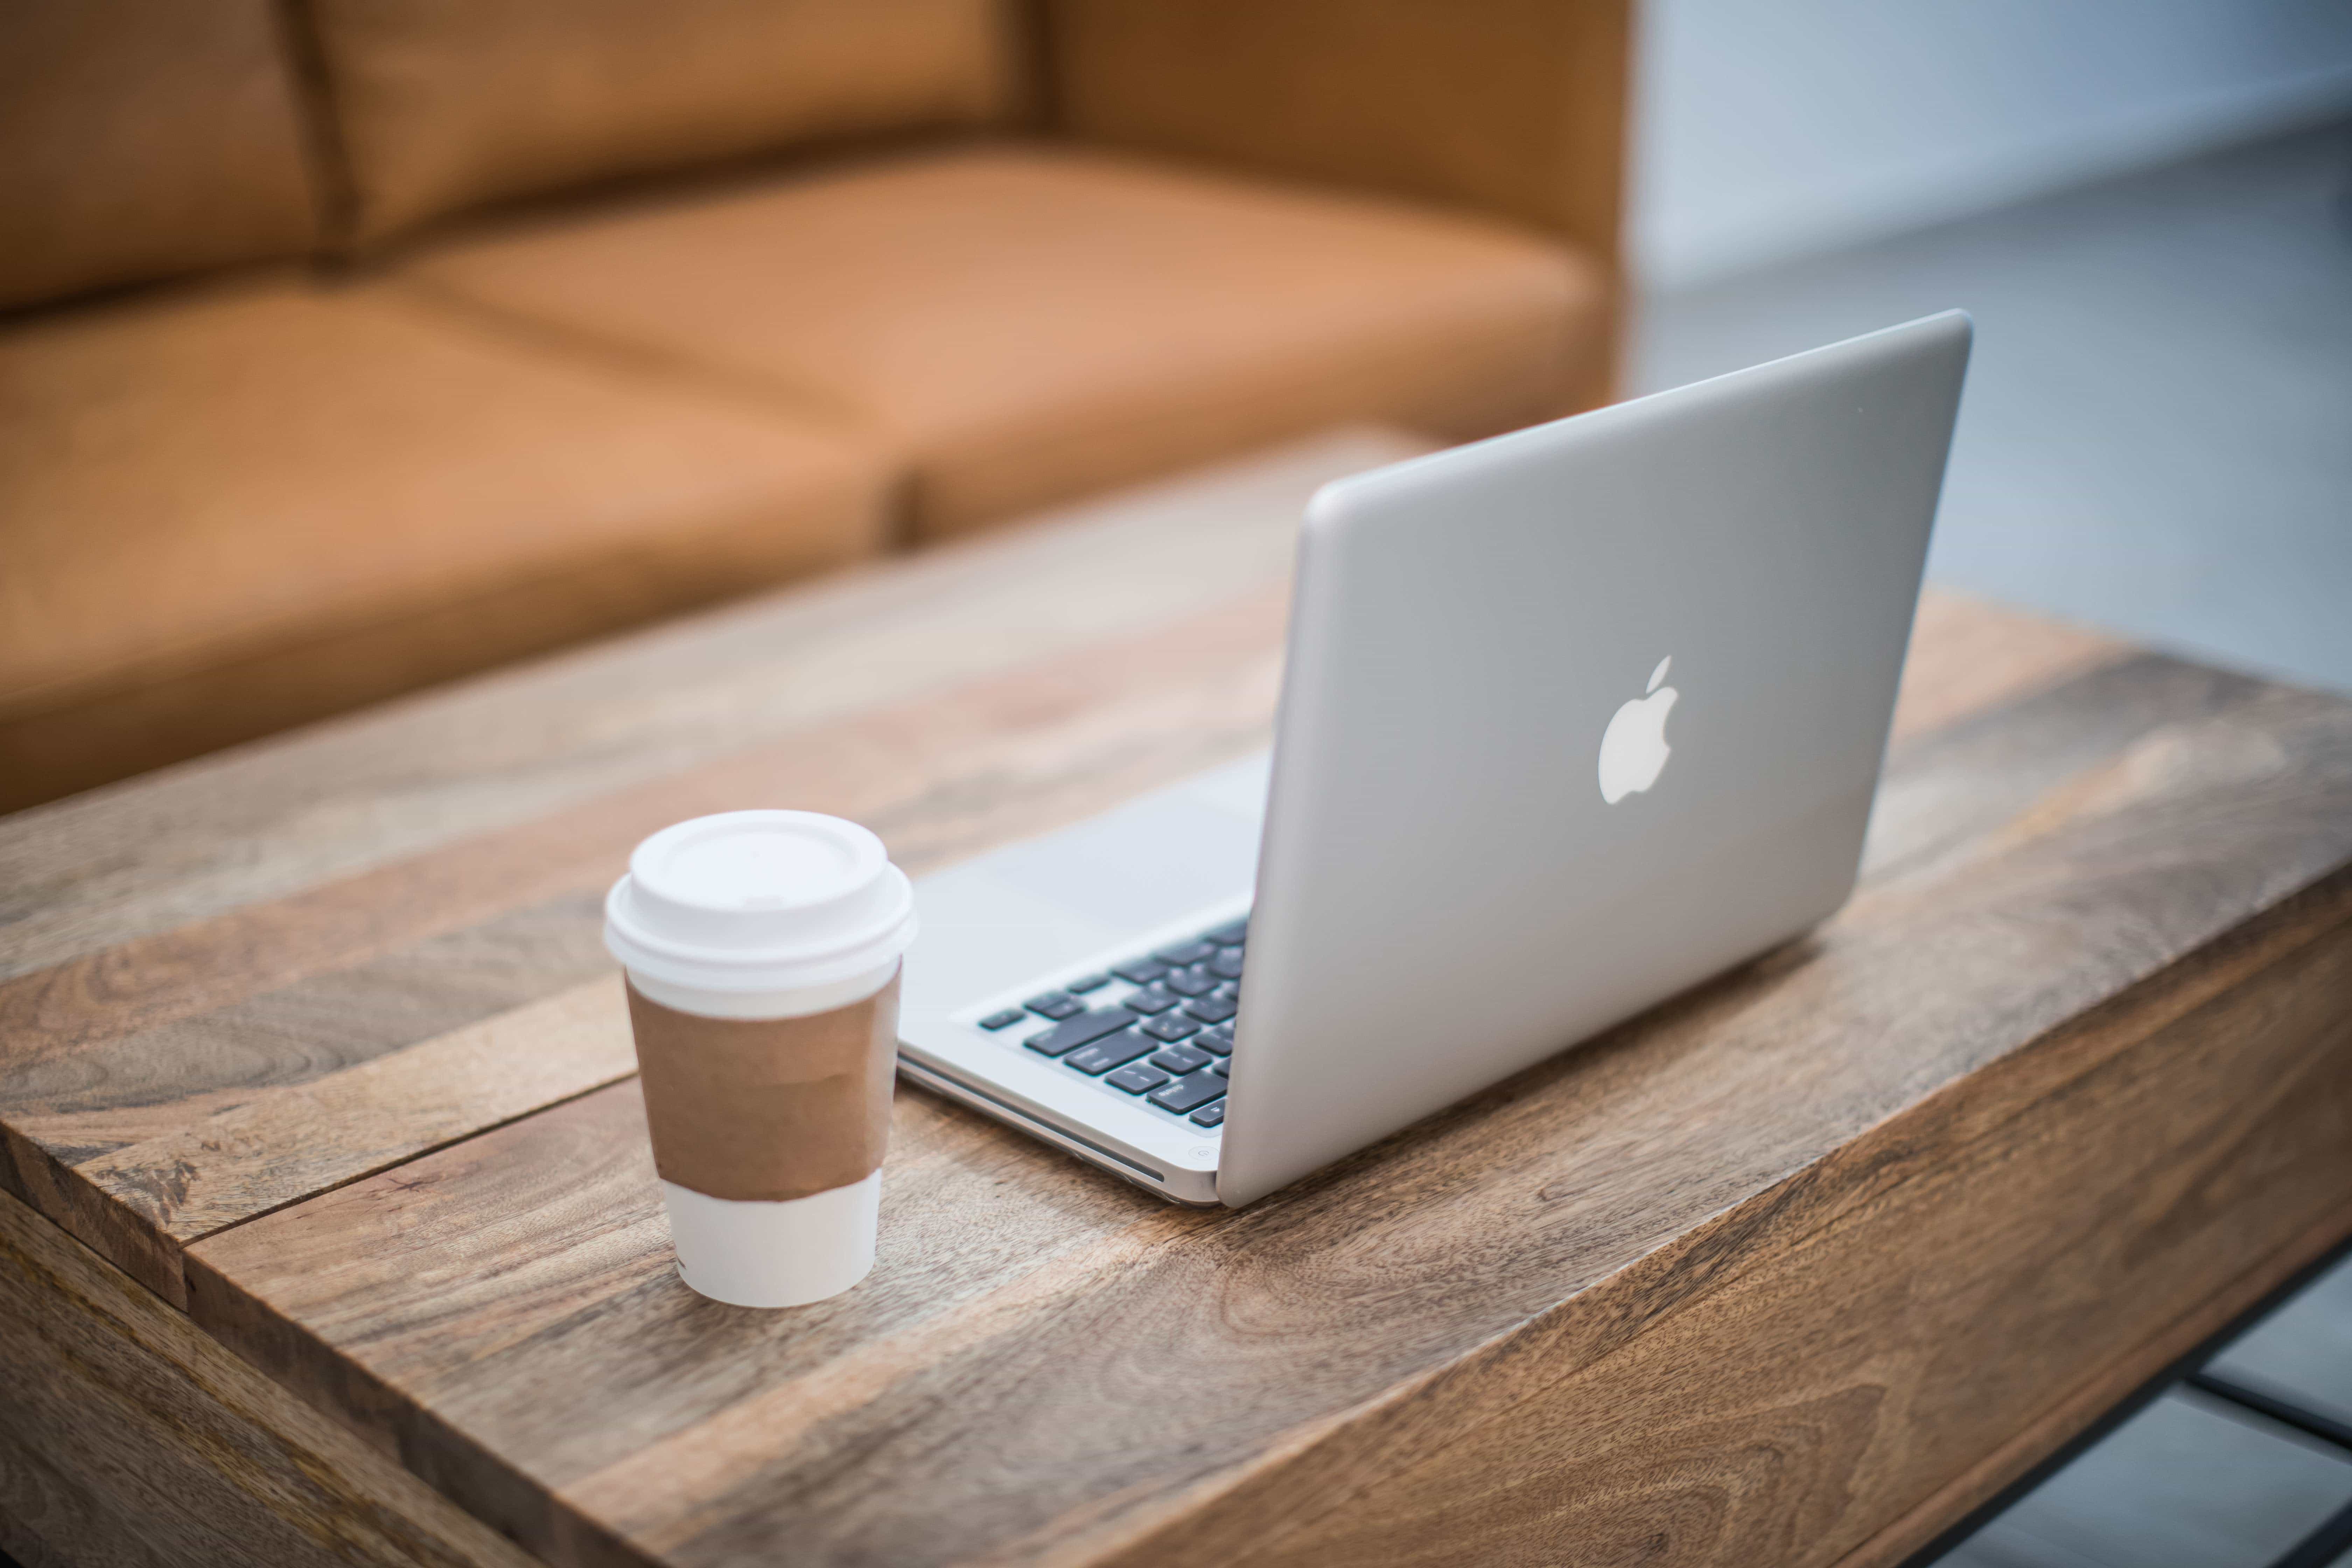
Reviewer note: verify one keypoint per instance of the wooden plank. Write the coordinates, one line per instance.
(2047, 922)
(284, 1144)
(128, 1436)
(266, 821)
(153, 1083)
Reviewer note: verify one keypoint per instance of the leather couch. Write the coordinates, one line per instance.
(350, 345)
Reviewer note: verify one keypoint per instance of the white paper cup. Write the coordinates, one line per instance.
(742, 919)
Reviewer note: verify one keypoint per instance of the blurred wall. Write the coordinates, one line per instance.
(1766, 131)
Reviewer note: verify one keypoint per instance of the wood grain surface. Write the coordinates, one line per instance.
(2091, 1398)
(132, 1439)
(2075, 1058)
(1790, 1270)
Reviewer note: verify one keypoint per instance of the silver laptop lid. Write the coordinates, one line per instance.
(1459, 874)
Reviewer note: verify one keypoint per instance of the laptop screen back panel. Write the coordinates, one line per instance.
(1444, 893)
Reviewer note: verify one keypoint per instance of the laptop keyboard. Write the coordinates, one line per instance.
(1158, 1027)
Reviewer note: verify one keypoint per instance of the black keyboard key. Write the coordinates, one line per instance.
(1056, 1005)
(1228, 992)
(1232, 933)
(1190, 982)
(1184, 952)
(1190, 1093)
(1172, 1026)
(1076, 1031)
(1222, 1066)
(1150, 999)
(1136, 1078)
(1181, 1059)
(1210, 1009)
(1227, 966)
(1004, 1020)
(1115, 1052)
(1219, 1039)
(1139, 971)
(1210, 1115)
(1087, 982)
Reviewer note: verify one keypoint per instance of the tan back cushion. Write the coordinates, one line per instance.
(442, 105)
(140, 138)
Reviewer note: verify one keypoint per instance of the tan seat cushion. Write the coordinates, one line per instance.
(143, 139)
(1030, 323)
(236, 510)
(441, 105)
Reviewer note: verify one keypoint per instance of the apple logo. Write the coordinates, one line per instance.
(1633, 748)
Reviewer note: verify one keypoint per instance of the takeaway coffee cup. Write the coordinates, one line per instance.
(762, 951)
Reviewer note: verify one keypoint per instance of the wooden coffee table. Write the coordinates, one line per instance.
(333, 1236)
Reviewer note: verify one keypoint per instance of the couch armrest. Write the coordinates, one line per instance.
(1515, 108)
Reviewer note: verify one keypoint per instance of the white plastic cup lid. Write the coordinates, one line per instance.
(759, 900)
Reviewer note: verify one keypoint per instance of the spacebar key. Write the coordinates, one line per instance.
(1084, 1029)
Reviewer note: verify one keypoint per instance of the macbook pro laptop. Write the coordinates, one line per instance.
(1572, 719)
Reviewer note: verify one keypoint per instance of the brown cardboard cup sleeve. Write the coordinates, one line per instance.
(768, 1109)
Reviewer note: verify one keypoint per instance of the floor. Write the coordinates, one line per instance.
(2157, 436)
